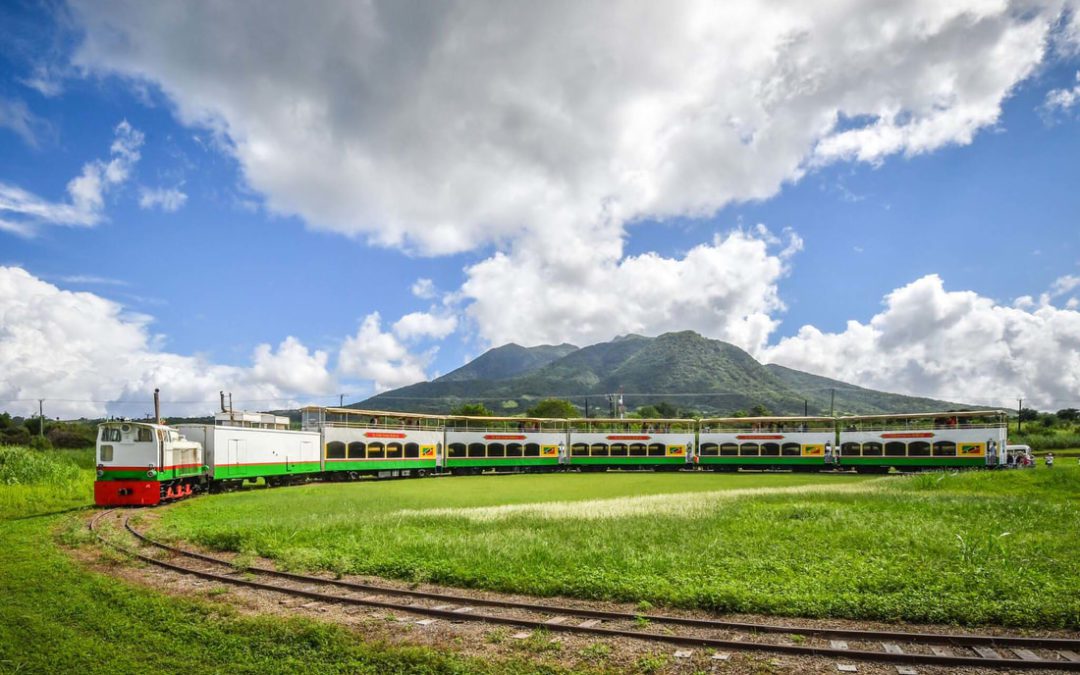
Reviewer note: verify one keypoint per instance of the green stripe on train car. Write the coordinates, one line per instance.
(512, 461)
(913, 461)
(633, 461)
(257, 470)
(380, 465)
(772, 460)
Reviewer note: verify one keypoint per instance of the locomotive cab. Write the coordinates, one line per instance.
(140, 463)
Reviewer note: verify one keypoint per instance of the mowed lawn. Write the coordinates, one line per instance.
(969, 548)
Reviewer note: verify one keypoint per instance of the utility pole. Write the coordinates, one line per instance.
(1019, 413)
(805, 405)
(832, 403)
(41, 416)
(341, 400)
(586, 407)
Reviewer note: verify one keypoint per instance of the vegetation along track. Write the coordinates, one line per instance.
(918, 648)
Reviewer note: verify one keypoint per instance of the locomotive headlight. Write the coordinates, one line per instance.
(100, 473)
(151, 473)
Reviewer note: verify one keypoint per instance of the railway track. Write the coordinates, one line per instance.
(844, 645)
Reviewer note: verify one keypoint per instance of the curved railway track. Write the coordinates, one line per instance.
(910, 649)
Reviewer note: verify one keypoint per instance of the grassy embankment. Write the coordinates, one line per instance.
(970, 548)
(57, 618)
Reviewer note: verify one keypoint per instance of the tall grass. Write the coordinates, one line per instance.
(34, 481)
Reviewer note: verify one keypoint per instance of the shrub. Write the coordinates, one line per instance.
(40, 443)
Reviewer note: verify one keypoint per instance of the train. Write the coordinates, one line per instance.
(144, 463)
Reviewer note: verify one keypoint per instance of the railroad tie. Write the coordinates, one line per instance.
(941, 651)
(906, 670)
(721, 656)
(464, 610)
(520, 636)
(1069, 655)
(684, 653)
(986, 653)
(589, 624)
(1026, 654)
(425, 622)
(847, 668)
(892, 648)
(837, 644)
(556, 620)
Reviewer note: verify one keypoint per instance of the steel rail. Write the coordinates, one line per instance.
(686, 640)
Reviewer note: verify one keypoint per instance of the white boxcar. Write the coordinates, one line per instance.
(262, 449)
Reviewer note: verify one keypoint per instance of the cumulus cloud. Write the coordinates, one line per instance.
(425, 324)
(544, 129)
(89, 357)
(1062, 100)
(424, 289)
(380, 356)
(955, 345)
(166, 199)
(22, 212)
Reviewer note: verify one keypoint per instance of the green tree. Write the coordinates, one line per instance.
(1068, 414)
(555, 408)
(472, 410)
(760, 411)
(648, 412)
(1028, 414)
(666, 410)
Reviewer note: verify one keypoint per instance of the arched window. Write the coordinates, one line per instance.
(375, 450)
(513, 449)
(457, 449)
(580, 449)
(657, 450)
(393, 450)
(919, 449)
(750, 449)
(792, 450)
(335, 450)
(872, 449)
(944, 449)
(496, 450)
(729, 449)
(532, 449)
(895, 449)
(599, 450)
(709, 449)
(412, 450)
(618, 450)
(770, 449)
(638, 450)
(357, 450)
(850, 450)
(476, 449)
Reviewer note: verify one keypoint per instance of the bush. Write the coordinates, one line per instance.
(66, 438)
(15, 435)
(40, 443)
(20, 466)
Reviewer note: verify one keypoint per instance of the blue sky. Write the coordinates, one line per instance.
(268, 239)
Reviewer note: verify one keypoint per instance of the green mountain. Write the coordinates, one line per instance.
(685, 369)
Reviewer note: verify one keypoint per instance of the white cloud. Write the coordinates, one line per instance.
(15, 116)
(24, 212)
(545, 128)
(425, 324)
(380, 357)
(167, 199)
(86, 356)
(554, 292)
(954, 345)
(424, 289)
(293, 367)
(1062, 100)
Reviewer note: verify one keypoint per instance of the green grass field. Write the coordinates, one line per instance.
(55, 617)
(970, 548)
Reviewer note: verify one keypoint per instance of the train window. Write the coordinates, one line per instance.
(457, 449)
(513, 450)
(792, 450)
(709, 449)
(412, 450)
(144, 435)
(532, 449)
(357, 450)
(335, 450)
(618, 450)
(393, 450)
(871, 449)
(579, 449)
(476, 449)
(944, 449)
(496, 450)
(599, 450)
(110, 435)
(850, 450)
(376, 450)
(771, 449)
(748, 449)
(638, 450)
(895, 449)
(657, 450)
(919, 449)
(729, 449)
(106, 453)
